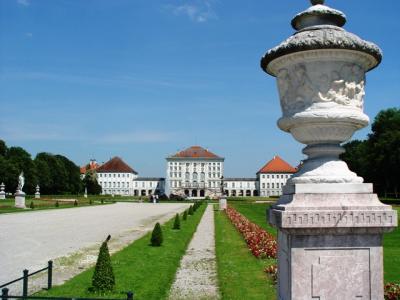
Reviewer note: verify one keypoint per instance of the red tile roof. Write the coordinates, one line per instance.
(93, 165)
(195, 152)
(115, 165)
(277, 165)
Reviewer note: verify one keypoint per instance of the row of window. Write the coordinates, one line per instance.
(122, 184)
(177, 184)
(239, 185)
(195, 164)
(275, 176)
(114, 175)
(195, 175)
(273, 186)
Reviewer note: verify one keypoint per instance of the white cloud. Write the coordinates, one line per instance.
(198, 11)
(24, 2)
(29, 34)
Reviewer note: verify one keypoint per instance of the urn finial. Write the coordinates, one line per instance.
(316, 2)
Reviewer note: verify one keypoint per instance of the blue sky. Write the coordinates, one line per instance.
(142, 79)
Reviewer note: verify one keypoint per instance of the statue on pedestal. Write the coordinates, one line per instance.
(19, 194)
(2, 192)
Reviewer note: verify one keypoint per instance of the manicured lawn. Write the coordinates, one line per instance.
(391, 242)
(391, 254)
(7, 206)
(147, 271)
(240, 274)
(255, 212)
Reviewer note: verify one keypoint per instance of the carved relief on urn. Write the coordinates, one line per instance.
(320, 74)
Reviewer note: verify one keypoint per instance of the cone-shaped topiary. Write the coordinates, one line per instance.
(32, 205)
(103, 277)
(57, 204)
(75, 203)
(156, 236)
(191, 210)
(177, 222)
(184, 217)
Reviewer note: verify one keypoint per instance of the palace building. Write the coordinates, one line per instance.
(118, 178)
(195, 172)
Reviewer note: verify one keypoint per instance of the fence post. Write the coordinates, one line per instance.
(50, 275)
(4, 294)
(25, 283)
(129, 296)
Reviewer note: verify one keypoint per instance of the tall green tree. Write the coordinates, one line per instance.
(377, 159)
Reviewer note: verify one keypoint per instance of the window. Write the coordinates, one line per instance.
(202, 176)
(272, 185)
(267, 176)
(267, 185)
(187, 176)
(263, 176)
(233, 184)
(263, 185)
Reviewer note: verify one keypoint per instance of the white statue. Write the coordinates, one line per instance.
(21, 181)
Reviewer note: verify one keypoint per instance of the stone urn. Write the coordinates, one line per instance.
(330, 224)
(320, 73)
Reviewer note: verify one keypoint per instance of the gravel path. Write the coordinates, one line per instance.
(71, 237)
(197, 277)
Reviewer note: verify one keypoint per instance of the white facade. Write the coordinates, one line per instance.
(271, 183)
(129, 184)
(240, 187)
(194, 177)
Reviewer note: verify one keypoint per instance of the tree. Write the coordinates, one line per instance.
(377, 159)
(103, 277)
(177, 222)
(184, 217)
(90, 182)
(156, 236)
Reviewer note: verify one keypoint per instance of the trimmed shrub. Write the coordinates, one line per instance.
(191, 211)
(75, 203)
(156, 236)
(184, 217)
(177, 222)
(90, 201)
(102, 201)
(32, 205)
(57, 204)
(103, 277)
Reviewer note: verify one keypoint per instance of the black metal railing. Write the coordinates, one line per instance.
(5, 296)
(26, 275)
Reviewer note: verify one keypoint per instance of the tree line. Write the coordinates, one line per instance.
(377, 158)
(55, 174)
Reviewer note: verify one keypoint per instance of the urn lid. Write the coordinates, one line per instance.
(320, 27)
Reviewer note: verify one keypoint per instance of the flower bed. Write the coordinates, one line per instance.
(261, 243)
(392, 291)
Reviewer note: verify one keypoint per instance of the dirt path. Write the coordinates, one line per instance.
(197, 277)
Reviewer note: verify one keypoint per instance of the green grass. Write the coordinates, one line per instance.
(255, 212)
(240, 274)
(7, 206)
(391, 242)
(147, 271)
(391, 254)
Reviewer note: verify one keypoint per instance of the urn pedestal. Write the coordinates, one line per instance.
(20, 199)
(330, 224)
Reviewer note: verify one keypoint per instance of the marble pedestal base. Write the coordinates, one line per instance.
(37, 195)
(20, 199)
(2, 195)
(222, 204)
(330, 245)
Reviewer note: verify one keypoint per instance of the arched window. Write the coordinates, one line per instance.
(202, 176)
(194, 176)
(187, 176)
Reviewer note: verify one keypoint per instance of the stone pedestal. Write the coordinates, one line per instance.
(2, 195)
(37, 195)
(20, 199)
(330, 244)
(222, 203)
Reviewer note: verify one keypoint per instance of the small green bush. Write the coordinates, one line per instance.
(103, 277)
(57, 204)
(32, 205)
(184, 217)
(90, 201)
(75, 203)
(191, 211)
(177, 222)
(102, 201)
(156, 236)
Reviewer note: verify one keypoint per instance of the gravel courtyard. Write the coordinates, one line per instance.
(72, 236)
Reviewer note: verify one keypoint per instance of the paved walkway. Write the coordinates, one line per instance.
(71, 237)
(197, 276)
